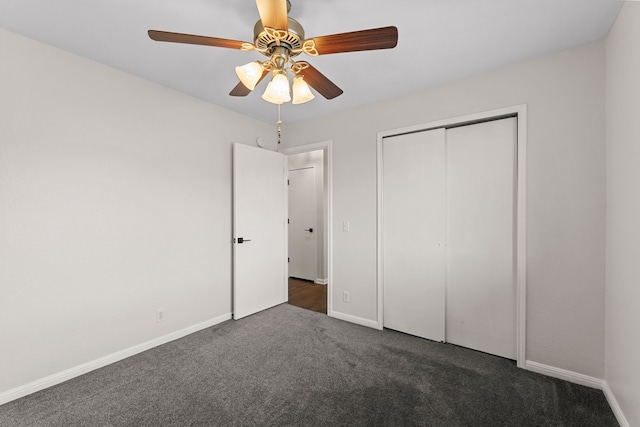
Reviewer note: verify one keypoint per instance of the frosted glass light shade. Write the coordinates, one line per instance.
(301, 91)
(249, 74)
(277, 91)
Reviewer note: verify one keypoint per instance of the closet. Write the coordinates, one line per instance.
(449, 235)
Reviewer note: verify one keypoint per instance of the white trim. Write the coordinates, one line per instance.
(301, 169)
(285, 225)
(328, 209)
(615, 407)
(563, 374)
(355, 319)
(379, 232)
(521, 239)
(76, 371)
(321, 281)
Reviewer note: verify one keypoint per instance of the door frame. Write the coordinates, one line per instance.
(519, 111)
(326, 146)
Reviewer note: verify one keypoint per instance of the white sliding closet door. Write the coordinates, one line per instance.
(481, 197)
(449, 235)
(414, 225)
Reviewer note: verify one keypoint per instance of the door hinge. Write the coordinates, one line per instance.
(288, 259)
(288, 221)
(288, 182)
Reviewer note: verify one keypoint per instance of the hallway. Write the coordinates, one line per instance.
(308, 295)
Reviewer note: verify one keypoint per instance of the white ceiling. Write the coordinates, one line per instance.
(439, 40)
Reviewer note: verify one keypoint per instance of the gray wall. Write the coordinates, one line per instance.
(623, 211)
(565, 191)
(115, 200)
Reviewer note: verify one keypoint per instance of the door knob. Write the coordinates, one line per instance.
(242, 240)
(310, 230)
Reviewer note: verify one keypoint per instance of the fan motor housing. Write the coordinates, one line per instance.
(293, 40)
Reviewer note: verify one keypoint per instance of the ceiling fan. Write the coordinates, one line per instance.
(281, 38)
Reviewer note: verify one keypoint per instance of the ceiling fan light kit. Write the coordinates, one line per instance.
(281, 38)
(278, 91)
(250, 74)
(301, 91)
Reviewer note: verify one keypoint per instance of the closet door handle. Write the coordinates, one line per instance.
(310, 230)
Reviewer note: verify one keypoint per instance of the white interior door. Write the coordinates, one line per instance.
(259, 219)
(414, 224)
(303, 230)
(481, 286)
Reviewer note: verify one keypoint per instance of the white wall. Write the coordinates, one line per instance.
(315, 158)
(623, 211)
(115, 200)
(566, 193)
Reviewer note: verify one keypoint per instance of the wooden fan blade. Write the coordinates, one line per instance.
(319, 82)
(273, 14)
(165, 36)
(242, 90)
(375, 38)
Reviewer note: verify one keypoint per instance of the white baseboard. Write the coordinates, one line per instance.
(354, 319)
(615, 407)
(321, 281)
(563, 374)
(76, 371)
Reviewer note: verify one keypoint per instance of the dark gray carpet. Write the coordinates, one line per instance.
(291, 367)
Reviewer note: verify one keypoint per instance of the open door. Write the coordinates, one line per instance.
(259, 230)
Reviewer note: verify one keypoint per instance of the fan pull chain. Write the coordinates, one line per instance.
(279, 122)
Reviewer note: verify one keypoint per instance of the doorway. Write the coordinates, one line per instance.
(309, 194)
